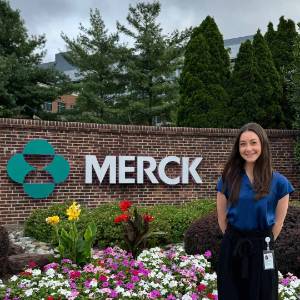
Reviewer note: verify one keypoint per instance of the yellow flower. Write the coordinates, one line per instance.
(73, 212)
(52, 220)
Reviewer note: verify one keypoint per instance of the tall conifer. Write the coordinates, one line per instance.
(270, 84)
(244, 89)
(203, 98)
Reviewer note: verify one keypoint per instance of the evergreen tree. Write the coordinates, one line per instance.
(281, 44)
(294, 92)
(220, 61)
(24, 86)
(203, 98)
(151, 66)
(244, 89)
(99, 59)
(270, 85)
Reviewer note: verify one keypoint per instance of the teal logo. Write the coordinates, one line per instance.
(18, 168)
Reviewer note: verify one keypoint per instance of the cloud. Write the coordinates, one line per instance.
(234, 17)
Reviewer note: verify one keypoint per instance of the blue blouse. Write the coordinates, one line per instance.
(251, 214)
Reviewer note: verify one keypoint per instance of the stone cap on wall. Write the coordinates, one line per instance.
(116, 128)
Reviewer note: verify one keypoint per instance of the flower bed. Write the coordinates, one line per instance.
(114, 274)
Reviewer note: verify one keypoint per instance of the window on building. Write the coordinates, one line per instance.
(61, 106)
(48, 106)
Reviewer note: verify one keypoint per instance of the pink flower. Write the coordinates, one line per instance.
(207, 254)
(102, 278)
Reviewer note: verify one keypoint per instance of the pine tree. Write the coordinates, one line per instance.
(24, 86)
(281, 44)
(203, 98)
(270, 85)
(244, 88)
(99, 59)
(294, 92)
(220, 61)
(154, 59)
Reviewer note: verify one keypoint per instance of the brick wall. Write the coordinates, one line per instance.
(75, 140)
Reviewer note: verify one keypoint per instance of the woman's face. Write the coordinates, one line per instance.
(250, 146)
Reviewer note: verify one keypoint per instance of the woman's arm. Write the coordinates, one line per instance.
(222, 211)
(281, 211)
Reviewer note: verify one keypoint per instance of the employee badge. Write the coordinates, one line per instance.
(268, 256)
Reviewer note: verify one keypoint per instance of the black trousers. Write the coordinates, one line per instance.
(241, 275)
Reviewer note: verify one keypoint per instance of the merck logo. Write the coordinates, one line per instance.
(18, 168)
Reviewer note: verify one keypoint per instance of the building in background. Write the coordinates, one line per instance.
(234, 45)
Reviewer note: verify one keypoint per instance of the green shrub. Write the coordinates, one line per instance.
(174, 220)
(205, 234)
(297, 151)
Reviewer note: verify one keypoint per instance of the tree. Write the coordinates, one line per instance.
(270, 87)
(294, 91)
(203, 97)
(100, 61)
(281, 44)
(24, 86)
(244, 89)
(220, 61)
(151, 66)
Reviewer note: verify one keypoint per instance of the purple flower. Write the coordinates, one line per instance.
(194, 296)
(87, 283)
(113, 294)
(105, 284)
(135, 278)
(171, 297)
(129, 286)
(66, 261)
(207, 254)
(51, 266)
(154, 294)
(285, 281)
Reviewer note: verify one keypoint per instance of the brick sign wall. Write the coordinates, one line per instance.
(75, 140)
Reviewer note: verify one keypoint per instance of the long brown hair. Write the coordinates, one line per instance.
(262, 172)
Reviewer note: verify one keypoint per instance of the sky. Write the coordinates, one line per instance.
(234, 18)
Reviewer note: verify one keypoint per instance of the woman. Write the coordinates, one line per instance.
(252, 203)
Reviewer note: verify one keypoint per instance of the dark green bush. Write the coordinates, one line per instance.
(204, 234)
(288, 243)
(173, 220)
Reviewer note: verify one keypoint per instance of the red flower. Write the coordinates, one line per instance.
(26, 274)
(125, 204)
(121, 218)
(32, 264)
(50, 298)
(201, 287)
(211, 296)
(102, 278)
(74, 274)
(148, 218)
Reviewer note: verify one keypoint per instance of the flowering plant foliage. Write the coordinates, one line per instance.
(113, 274)
(71, 244)
(136, 227)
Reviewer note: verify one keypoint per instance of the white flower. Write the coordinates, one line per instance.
(14, 278)
(36, 272)
(50, 273)
(28, 293)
